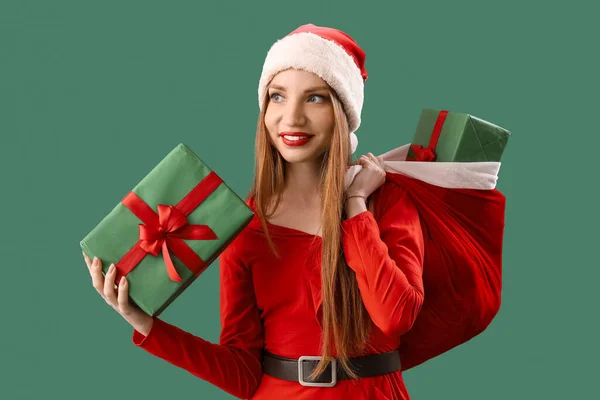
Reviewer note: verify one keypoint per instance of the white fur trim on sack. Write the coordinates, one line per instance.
(325, 58)
(454, 175)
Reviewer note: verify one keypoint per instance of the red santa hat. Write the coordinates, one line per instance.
(329, 53)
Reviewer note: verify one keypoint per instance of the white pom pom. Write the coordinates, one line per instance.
(353, 142)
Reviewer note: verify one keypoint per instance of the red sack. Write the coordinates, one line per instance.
(462, 272)
(462, 215)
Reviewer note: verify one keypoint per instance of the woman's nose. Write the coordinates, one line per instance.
(294, 114)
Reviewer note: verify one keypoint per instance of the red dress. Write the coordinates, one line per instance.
(275, 304)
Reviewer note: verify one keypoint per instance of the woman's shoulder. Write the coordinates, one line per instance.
(250, 242)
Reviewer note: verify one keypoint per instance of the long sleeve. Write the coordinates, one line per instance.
(234, 365)
(387, 256)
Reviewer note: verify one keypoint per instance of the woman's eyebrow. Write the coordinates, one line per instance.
(312, 89)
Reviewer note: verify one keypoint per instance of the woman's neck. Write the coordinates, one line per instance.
(302, 184)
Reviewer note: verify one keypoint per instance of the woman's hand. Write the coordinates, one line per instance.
(118, 298)
(369, 178)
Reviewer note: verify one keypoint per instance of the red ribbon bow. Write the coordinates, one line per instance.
(428, 153)
(165, 232)
(171, 229)
(422, 153)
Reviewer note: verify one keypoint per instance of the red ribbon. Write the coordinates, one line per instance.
(166, 230)
(428, 153)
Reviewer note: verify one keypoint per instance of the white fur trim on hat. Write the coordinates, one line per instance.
(325, 58)
(353, 142)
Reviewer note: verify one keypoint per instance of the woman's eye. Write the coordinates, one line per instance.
(316, 96)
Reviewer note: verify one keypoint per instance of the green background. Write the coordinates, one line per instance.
(94, 93)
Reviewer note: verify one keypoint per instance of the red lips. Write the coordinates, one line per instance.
(295, 142)
(295, 134)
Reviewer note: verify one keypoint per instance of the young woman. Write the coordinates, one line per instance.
(321, 271)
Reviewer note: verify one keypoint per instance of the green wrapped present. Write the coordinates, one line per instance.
(445, 136)
(168, 229)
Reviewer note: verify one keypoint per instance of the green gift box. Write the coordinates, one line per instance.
(445, 136)
(168, 229)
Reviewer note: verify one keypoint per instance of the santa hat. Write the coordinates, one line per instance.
(329, 53)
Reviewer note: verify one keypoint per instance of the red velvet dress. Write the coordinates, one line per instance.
(275, 304)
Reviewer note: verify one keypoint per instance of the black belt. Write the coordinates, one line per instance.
(298, 370)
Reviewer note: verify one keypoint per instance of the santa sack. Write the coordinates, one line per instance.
(462, 216)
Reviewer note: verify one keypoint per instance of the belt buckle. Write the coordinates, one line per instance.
(332, 365)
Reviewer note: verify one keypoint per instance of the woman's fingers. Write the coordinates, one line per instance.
(99, 282)
(376, 160)
(123, 297)
(377, 164)
(97, 278)
(87, 260)
(366, 159)
(362, 158)
(109, 286)
(117, 298)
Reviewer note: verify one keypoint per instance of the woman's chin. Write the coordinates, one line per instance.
(296, 157)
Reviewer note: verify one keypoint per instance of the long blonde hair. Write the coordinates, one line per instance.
(345, 319)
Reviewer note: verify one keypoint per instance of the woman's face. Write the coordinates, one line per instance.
(299, 115)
